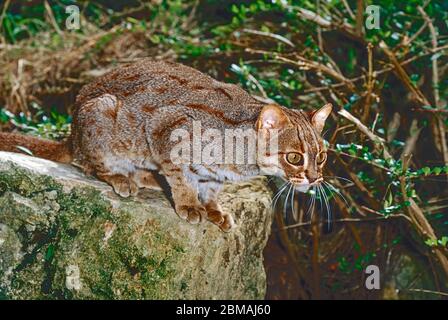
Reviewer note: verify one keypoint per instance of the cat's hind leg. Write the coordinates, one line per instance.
(100, 146)
(123, 185)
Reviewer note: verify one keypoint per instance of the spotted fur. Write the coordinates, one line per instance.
(123, 122)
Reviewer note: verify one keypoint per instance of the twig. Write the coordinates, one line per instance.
(344, 27)
(420, 222)
(345, 220)
(315, 256)
(435, 84)
(378, 72)
(2, 16)
(284, 239)
(436, 124)
(365, 130)
(312, 16)
(393, 127)
(270, 35)
(411, 141)
(430, 110)
(346, 214)
(304, 63)
(52, 18)
(366, 194)
(370, 83)
(349, 10)
(319, 29)
(359, 17)
(403, 76)
(353, 157)
(429, 291)
(414, 36)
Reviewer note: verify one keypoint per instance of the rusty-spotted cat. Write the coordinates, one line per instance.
(122, 132)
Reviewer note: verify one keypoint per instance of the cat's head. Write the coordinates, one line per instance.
(301, 154)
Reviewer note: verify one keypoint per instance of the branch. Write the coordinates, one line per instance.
(420, 222)
(349, 10)
(359, 17)
(378, 72)
(439, 125)
(414, 133)
(435, 68)
(344, 27)
(403, 76)
(370, 83)
(270, 35)
(304, 63)
(347, 115)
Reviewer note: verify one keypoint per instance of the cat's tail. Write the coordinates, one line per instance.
(42, 148)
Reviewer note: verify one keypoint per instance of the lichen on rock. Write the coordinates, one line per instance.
(67, 236)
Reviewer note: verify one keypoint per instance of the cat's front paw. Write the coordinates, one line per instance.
(216, 216)
(228, 224)
(193, 214)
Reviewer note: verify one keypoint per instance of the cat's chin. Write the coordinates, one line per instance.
(302, 188)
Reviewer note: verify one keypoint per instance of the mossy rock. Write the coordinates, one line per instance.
(67, 236)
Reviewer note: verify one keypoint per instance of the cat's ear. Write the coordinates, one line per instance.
(319, 117)
(272, 117)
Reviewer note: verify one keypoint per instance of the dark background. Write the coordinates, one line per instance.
(387, 136)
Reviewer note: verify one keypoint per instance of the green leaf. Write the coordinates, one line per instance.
(389, 200)
(50, 253)
(25, 150)
(431, 242)
(426, 170)
(443, 241)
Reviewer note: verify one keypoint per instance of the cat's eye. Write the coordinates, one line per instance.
(321, 157)
(294, 158)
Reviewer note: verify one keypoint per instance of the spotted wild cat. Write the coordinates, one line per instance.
(123, 122)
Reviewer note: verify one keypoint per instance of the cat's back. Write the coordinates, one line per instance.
(152, 84)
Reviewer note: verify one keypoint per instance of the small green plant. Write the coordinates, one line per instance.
(52, 125)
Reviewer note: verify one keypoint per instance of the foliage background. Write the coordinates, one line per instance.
(387, 137)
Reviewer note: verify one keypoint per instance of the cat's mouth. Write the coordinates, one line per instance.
(304, 184)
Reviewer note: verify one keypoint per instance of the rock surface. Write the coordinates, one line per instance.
(67, 236)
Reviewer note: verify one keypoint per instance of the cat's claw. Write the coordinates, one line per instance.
(193, 214)
(216, 216)
(123, 186)
(228, 224)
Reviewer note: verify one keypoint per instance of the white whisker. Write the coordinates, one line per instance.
(327, 205)
(311, 203)
(320, 198)
(279, 193)
(338, 177)
(286, 201)
(330, 186)
(292, 203)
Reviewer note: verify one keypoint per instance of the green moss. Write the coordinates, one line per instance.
(80, 206)
(86, 248)
(22, 182)
(126, 268)
(118, 268)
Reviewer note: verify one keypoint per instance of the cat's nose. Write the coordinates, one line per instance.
(314, 179)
